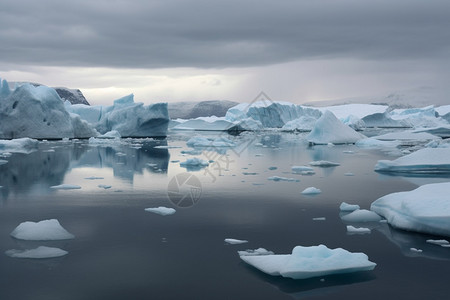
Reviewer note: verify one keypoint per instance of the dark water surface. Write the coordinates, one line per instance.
(122, 252)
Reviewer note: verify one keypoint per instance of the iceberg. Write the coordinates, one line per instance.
(423, 161)
(425, 209)
(360, 216)
(408, 135)
(356, 110)
(22, 145)
(37, 253)
(307, 262)
(305, 123)
(235, 241)
(328, 129)
(324, 163)
(357, 230)
(304, 170)
(311, 191)
(382, 120)
(259, 251)
(163, 211)
(348, 207)
(194, 163)
(45, 230)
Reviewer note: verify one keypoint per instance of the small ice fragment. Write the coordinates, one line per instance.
(443, 243)
(249, 173)
(66, 187)
(278, 178)
(258, 154)
(2, 162)
(235, 241)
(194, 162)
(94, 178)
(324, 163)
(416, 250)
(355, 230)
(348, 152)
(319, 219)
(348, 207)
(361, 215)
(349, 174)
(311, 191)
(104, 186)
(152, 165)
(163, 211)
(166, 147)
(45, 230)
(37, 253)
(120, 154)
(259, 251)
(273, 168)
(301, 169)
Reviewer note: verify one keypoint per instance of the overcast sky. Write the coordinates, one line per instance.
(172, 50)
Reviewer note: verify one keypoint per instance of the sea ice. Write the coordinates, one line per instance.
(279, 178)
(357, 230)
(426, 160)
(324, 163)
(361, 215)
(348, 207)
(259, 251)
(425, 209)
(45, 230)
(163, 211)
(311, 191)
(66, 187)
(328, 129)
(37, 253)
(235, 241)
(307, 262)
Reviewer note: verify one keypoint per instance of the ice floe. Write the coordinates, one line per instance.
(37, 253)
(324, 163)
(307, 262)
(442, 243)
(311, 191)
(357, 230)
(235, 241)
(279, 178)
(66, 187)
(162, 210)
(194, 164)
(41, 231)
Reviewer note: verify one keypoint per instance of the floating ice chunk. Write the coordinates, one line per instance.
(319, 219)
(45, 230)
(302, 170)
(272, 168)
(94, 178)
(23, 145)
(416, 250)
(3, 162)
(311, 191)
(328, 129)
(235, 241)
(348, 207)
(443, 243)
(167, 147)
(307, 262)
(104, 186)
(194, 163)
(259, 251)
(324, 163)
(163, 211)
(359, 230)
(427, 160)
(354, 109)
(279, 178)
(349, 174)
(382, 120)
(66, 187)
(192, 152)
(374, 143)
(361, 215)
(38, 253)
(425, 209)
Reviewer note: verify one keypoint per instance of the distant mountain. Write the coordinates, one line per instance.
(191, 110)
(74, 96)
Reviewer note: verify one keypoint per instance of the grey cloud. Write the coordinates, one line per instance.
(198, 33)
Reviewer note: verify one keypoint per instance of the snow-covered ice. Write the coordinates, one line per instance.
(357, 230)
(45, 230)
(162, 210)
(426, 160)
(307, 262)
(235, 241)
(66, 187)
(348, 207)
(328, 129)
(425, 209)
(361, 215)
(259, 251)
(37, 253)
(324, 163)
(311, 191)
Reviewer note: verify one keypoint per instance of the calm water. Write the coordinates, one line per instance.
(122, 252)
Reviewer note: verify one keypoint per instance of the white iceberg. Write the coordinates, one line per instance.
(311, 191)
(328, 129)
(45, 230)
(426, 160)
(205, 124)
(357, 230)
(235, 241)
(348, 207)
(361, 215)
(162, 210)
(324, 163)
(307, 262)
(66, 187)
(37, 253)
(425, 209)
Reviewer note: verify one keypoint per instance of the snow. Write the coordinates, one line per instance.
(307, 262)
(311, 191)
(163, 211)
(199, 141)
(426, 160)
(357, 230)
(259, 251)
(37, 253)
(425, 209)
(45, 230)
(324, 163)
(348, 207)
(66, 187)
(235, 241)
(22, 145)
(328, 129)
(361, 215)
(279, 178)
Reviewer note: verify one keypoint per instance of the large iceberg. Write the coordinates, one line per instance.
(425, 209)
(307, 262)
(426, 160)
(328, 129)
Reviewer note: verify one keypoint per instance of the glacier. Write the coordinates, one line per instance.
(307, 262)
(425, 209)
